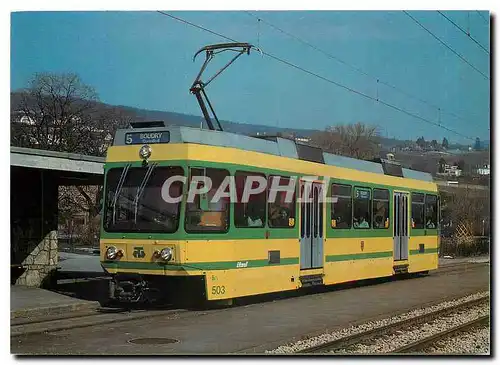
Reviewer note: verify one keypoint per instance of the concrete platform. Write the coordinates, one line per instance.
(28, 302)
(84, 263)
(258, 327)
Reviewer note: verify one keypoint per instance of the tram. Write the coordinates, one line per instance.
(329, 219)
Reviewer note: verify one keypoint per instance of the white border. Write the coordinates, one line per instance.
(33, 5)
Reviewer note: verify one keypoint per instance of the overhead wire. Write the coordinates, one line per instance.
(481, 15)
(290, 64)
(357, 69)
(447, 46)
(463, 31)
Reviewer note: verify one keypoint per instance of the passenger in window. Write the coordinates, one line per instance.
(254, 219)
(379, 221)
(361, 223)
(430, 224)
(278, 216)
(341, 223)
(254, 223)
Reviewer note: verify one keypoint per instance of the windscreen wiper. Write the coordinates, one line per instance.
(142, 187)
(119, 189)
(198, 87)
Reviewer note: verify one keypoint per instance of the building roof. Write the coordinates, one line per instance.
(52, 160)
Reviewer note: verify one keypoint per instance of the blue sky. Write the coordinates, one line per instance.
(144, 59)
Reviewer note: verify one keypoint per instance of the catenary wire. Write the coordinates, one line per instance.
(395, 88)
(447, 46)
(482, 17)
(463, 31)
(290, 64)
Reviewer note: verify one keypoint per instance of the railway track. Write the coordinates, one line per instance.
(370, 335)
(22, 327)
(420, 345)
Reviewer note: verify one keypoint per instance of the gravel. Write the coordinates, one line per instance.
(476, 342)
(348, 331)
(391, 342)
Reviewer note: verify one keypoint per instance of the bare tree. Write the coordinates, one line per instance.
(59, 112)
(353, 140)
(107, 121)
(56, 114)
(464, 210)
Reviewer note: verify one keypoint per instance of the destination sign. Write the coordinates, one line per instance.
(362, 194)
(147, 137)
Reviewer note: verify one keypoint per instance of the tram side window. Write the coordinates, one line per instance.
(362, 208)
(281, 211)
(417, 210)
(380, 208)
(204, 213)
(249, 210)
(341, 206)
(431, 211)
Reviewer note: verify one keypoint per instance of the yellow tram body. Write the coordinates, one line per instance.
(229, 266)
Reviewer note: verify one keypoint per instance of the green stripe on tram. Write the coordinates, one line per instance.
(221, 265)
(358, 256)
(427, 250)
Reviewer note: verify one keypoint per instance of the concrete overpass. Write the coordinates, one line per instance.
(35, 178)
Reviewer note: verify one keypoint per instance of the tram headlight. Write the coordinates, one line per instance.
(112, 253)
(166, 254)
(145, 152)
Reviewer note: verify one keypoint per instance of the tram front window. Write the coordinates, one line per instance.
(135, 201)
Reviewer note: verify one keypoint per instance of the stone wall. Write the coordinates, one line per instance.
(40, 262)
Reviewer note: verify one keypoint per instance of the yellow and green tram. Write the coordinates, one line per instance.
(381, 220)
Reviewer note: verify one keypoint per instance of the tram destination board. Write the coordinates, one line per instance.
(147, 137)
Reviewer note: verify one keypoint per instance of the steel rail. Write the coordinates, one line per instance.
(91, 320)
(347, 341)
(426, 342)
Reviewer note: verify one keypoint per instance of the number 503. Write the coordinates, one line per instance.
(218, 290)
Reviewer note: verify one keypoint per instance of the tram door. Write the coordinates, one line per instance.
(401, 226)
(311, 226)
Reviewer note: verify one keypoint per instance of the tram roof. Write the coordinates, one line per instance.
(277, 146)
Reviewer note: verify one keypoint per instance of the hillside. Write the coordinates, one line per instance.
(194, 121)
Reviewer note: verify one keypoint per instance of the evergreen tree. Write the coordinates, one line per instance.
(421, 142)
(477, 145)
(445, 143)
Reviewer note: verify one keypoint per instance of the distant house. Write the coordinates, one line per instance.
(449, 170)
(483, 170)
(18, 116)
(302, 139)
